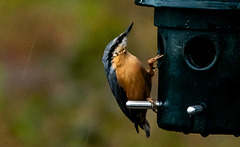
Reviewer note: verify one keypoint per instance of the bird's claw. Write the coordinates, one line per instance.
(154, 59)
(153, 104)
(158, 56)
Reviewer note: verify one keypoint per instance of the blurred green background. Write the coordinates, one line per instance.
(53, 88)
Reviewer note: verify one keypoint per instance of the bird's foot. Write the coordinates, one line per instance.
(154, 59)
(150, 63)
(153, 103)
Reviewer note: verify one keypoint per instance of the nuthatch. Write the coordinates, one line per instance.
(128, 79)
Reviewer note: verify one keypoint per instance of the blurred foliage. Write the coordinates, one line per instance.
(53, 88)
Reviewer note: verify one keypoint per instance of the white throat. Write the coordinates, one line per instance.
(124, 42)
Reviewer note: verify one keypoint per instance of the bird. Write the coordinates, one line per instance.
(128, 79)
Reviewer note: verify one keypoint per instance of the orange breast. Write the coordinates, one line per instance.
(133, 77)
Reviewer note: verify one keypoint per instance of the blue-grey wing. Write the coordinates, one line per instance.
(117, 90)
(119, 94)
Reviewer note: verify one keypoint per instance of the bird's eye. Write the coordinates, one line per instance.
(117, 41)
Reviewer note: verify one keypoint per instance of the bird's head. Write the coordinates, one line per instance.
(121, 40)
(117, 44)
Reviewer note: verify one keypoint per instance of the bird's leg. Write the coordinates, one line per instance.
(153, 103)
(150, 63)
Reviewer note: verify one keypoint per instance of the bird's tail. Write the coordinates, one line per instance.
(145, 126)
(136, 127)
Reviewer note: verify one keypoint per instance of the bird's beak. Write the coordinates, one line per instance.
(129, 29)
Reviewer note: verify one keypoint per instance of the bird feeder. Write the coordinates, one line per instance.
(199, 75)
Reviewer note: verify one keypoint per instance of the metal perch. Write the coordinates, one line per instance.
(143, 105)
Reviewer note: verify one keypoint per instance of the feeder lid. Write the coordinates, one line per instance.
(196, 4)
